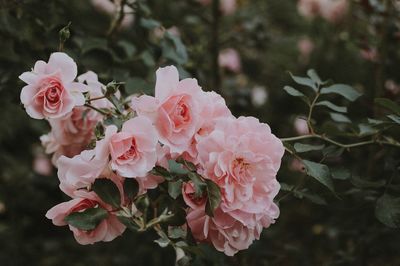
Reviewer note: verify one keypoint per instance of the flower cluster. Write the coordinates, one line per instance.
(101, 142)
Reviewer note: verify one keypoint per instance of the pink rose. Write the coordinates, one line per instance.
(309, 8)
(106, 230)
(242, 157)
(42, 165)
(259, 95)
(111, 8)
(228, 7)
(51, 91)
(133, 150)
(334, 10)
(301, 126)
(306, 47)
(224, 232)
(230, 59)
(175, 109)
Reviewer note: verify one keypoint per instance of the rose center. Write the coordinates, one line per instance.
(130, 153)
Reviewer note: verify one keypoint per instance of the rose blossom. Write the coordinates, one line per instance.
(309, 8)
(51, 91)
(42, 165)
(230, 59)
(175, 109)
(111, 7)
(133, 149)
(242, 157)
(301, 126)
(259, 95)
(334, 10)
(107, 230)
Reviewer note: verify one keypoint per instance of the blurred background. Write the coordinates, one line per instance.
(243, 49)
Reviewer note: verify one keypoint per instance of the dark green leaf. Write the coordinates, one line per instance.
(213, 197)
(87, 220)
(175, 188)
(394, 118)
(387, 210)
(199, 184)
(176, 232)
(314, 198)
(131, 187)
(340, 173)
(332, 151)
(128, 222)
(300, 147)
(366, 130)
(149, 23)
(107, 191)
(177, 168)
(92, 43)
(304, 81)
(339, 118)
(346, 91)
(128, 47)
(293, 92)
(320, 172)
(388, 104)
(314, 76)
(340, 109)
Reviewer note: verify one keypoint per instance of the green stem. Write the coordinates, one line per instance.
(117, 20)
(343, 145)
(96, 109)
(310, 127)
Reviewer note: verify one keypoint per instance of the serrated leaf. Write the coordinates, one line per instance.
(334, 107)
(175, 188)
(213, 197)
(346, 91)
(387, 210)
(293, 92)
(339, 118)
(87, 220)
(304, 81)
(300, 147)
(388, 104)
(320, 172)
(131, 187)
(107, 191)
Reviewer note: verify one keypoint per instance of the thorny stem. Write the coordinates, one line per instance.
(342, 145)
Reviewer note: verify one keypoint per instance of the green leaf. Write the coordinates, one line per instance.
(107, 191)
(137, 85)
(131, 187)
(92, 43)
(388, 104)
(340, 173)
(366, 130)
(128, 222)
(199, 184)
(176, 232)
(340, 109)
(128, 48)
(87, 220)
(339, 118)
(148, 58)
(175, 188)
(304, 81)
(300, 147)
(314, 76)
(346, 91)
(177, 168)
(375, 121)
(213, 197)
(161, 171)
(387, 210)
(320, 172)
(363, 183)
(394, 118)
(332, 151)
(314, 198)
(173, 49)
(293, 92)
(149, 23)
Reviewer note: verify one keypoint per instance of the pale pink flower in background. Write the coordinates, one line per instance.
(300, 126)
(334, 10)
(228, 7)
(259, 96)
(305, 46)
(51, 91)
(112, 8)
(42, 165)
(107, 230)
(370, 54)
(392, 86)
(309, 8)
(160, 31)
(230, 59)
(174, 110)
(133, 149)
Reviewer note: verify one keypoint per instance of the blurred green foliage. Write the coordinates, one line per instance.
(316, 227)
